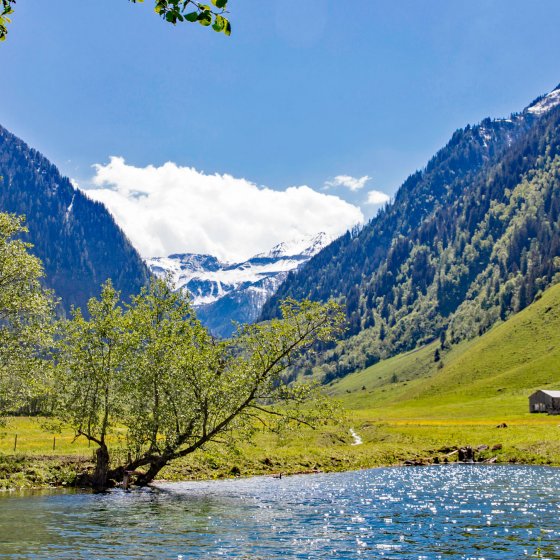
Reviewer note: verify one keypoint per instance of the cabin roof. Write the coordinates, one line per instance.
(553, 394)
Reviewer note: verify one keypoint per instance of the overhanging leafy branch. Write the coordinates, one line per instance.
(172, 11)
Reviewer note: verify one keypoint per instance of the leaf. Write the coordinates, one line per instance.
(220, 3)
(227, 28)
(192, 16)
(205, 18)
(219, 24)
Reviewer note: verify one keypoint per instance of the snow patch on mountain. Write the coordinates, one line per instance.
(545, 104)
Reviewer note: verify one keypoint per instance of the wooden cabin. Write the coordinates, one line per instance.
(545, 401)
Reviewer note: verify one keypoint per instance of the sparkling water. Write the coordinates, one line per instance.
(456, 511)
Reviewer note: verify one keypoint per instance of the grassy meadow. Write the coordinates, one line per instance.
(409, 407)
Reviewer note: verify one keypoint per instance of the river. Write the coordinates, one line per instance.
(457, 511)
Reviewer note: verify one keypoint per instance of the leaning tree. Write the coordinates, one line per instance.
(153, 375)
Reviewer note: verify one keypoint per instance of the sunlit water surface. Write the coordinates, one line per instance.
(468, 512)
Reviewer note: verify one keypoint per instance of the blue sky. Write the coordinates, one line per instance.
(303, 91)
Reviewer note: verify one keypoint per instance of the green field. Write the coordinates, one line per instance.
(407, 407)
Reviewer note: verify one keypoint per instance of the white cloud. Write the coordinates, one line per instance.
(377, 197)
(173, 209)
(352, 183)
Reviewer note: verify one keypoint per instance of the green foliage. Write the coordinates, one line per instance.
(25, 315)
(409, 410)
(20, 472)
(19, 271)
(6, 9)
(92, 360)
(189, 390)
(147, 374)
(170, 353)
(172, 11)
(485, 377)
(177, 11)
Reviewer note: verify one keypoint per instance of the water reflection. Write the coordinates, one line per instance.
(467, 512)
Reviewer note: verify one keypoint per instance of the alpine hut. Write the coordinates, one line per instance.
(545, 401)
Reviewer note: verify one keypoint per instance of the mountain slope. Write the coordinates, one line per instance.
(346, 261)
(224, 293)
(76, 238)
(468, 241)
(492, 374)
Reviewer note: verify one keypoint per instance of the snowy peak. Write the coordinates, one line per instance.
(225, 291)
(545, 104)
(304, 247)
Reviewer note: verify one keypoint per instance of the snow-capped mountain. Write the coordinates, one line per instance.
(545, 103)
(225, 292)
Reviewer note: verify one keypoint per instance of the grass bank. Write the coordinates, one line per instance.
(389, 441)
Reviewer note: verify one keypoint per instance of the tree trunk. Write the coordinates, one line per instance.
(152, 472)
(99, 480)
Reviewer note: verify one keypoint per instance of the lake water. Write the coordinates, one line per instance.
(459, 511)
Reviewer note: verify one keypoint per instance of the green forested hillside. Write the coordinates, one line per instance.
(76, 238)
(490, 375)
(469, 241)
